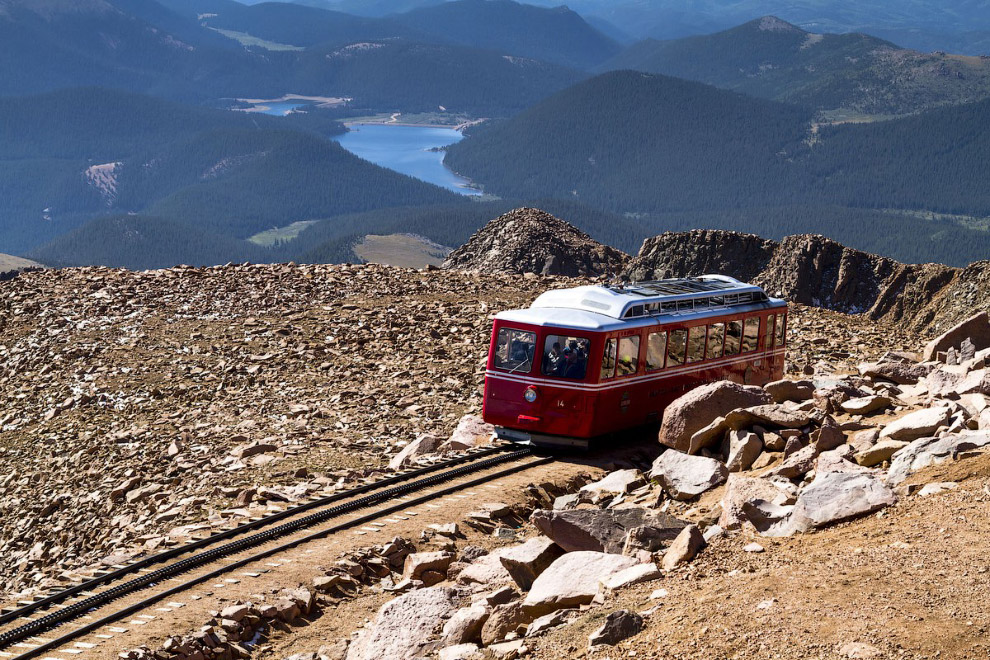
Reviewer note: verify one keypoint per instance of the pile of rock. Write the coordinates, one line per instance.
(527, 240)
(817, 455)
(228, 635)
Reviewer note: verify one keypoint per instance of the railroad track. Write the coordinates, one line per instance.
(21, 627)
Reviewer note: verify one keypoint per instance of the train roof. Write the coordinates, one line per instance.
(610, 307)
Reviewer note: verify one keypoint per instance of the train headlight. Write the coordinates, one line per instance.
(530, 394)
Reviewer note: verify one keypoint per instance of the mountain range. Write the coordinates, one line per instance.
(667, 150)
(850, 73)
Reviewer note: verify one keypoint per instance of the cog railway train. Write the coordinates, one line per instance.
(590, 361)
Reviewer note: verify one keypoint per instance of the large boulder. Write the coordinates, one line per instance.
(618, 626)
(741, 449)
(504, 620)
(741, 490)
(931, 451)
(615, 483)
(790, 390)
(601, 530)
(471, 431)
(683, 476)
(840, 495)
(464, 627)
(880, 452)
(897, 372)
(573, 580)
(525, 562)
(976, 328)
(687, 544)
(404, 625)
(917, 424)
(486, 571)
(697, 408)
(424, 444)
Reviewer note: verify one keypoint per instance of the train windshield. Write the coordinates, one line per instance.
(565, 356)
(514, 350)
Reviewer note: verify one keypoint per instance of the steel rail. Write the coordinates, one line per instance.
(92, 583)
(54, 619)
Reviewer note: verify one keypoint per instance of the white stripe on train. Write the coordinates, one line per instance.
(626, 382)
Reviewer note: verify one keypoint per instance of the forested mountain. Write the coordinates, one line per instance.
(661, 147)
(142, 242)
(634, 142)
(397, 75)
(112, 43)
(69, 156)
(551, 34)
(773, 59)
(950, 25)
(298, 25)
(61, 43)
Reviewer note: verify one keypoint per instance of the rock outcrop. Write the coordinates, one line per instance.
(815, 270)
(528, 240)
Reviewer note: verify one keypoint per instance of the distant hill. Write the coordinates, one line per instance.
(551, 34)
(773, 59)
(62, 43)
(634, 142)
(71, 156)
(678, 154)
(142, 242)
(142, 46)
(299, 25)
(399, 75)
(947, 25)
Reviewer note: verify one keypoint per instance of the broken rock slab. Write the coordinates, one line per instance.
(739, 490)
(601, 530)
(471, 431)
(880, 452)
(424, 444)
(615, 483)
(790, 390)
(976, 328)
(741, 449)
(525, 562)
(403, 626)
(683, 476)
(931, 451)
(573, 580)
(697, 408)
(618, 626)
(836, 496)
(917, 424)
(684, 548)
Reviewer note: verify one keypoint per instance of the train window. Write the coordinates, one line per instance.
(716, 337)
(675, 354)
(656, 349)
(628, 362)
(751, 334)
(771, 324)
(514, 350)
(608, 360)
(779, 334)
(696, 344)
(733, 336)
(565, 356)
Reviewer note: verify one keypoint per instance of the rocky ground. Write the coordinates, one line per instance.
(838, 518)
(157, 402)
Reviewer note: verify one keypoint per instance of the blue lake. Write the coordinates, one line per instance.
(407, 149)
(279, 108)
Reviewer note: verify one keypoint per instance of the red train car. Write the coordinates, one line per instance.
(587, 362)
